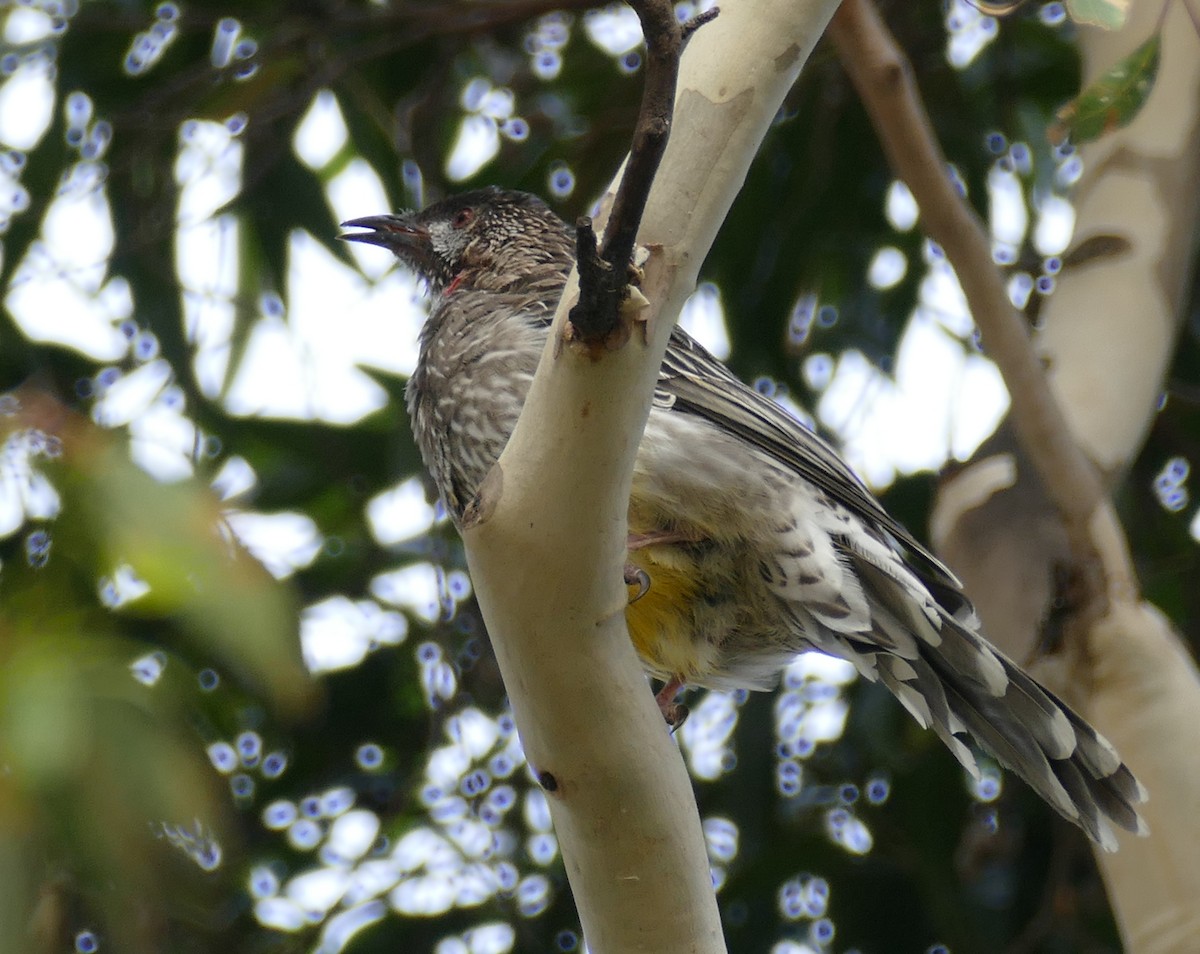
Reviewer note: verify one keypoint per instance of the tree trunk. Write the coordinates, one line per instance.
(547, 550)
(1107, 336)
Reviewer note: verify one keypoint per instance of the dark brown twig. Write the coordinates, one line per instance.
(603, 276)
(664, 42)
(689, 28)
(600, 288)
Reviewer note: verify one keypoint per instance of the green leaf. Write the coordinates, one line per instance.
(102, 764)
(48, 731)
(1113, 100)
(171, 536)
(1107, 14)
(175, 538)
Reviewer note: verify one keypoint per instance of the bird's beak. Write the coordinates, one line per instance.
(397, 233)
(400, 235)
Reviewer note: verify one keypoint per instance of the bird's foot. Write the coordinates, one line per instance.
(674, 713)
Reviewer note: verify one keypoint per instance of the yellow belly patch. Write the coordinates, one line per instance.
(660, 623)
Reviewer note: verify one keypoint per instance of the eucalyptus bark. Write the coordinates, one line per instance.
(1107, 336)
(547, 551)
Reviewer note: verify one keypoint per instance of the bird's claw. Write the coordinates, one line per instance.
(636, 576)
(674, 713)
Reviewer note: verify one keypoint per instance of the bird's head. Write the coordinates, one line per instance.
(489, 238)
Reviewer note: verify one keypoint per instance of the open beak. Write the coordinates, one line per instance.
(397, 233)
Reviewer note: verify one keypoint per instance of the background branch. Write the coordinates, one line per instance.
(883, 79)
(1125, 662)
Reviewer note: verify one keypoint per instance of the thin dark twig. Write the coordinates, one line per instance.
(663, 44)
(603, 277)
(689, 28)
(597, 290)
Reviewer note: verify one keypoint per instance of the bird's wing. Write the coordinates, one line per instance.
(693, 381)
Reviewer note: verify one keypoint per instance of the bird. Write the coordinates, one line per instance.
(750, 540)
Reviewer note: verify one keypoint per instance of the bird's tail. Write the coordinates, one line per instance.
(952, 680)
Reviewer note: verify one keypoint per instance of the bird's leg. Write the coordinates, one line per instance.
(656, 538)
(675, 713)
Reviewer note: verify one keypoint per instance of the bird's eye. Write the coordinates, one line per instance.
(463, 217)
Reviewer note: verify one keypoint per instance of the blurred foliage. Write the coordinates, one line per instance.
(116, 829)
(1113, 100)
